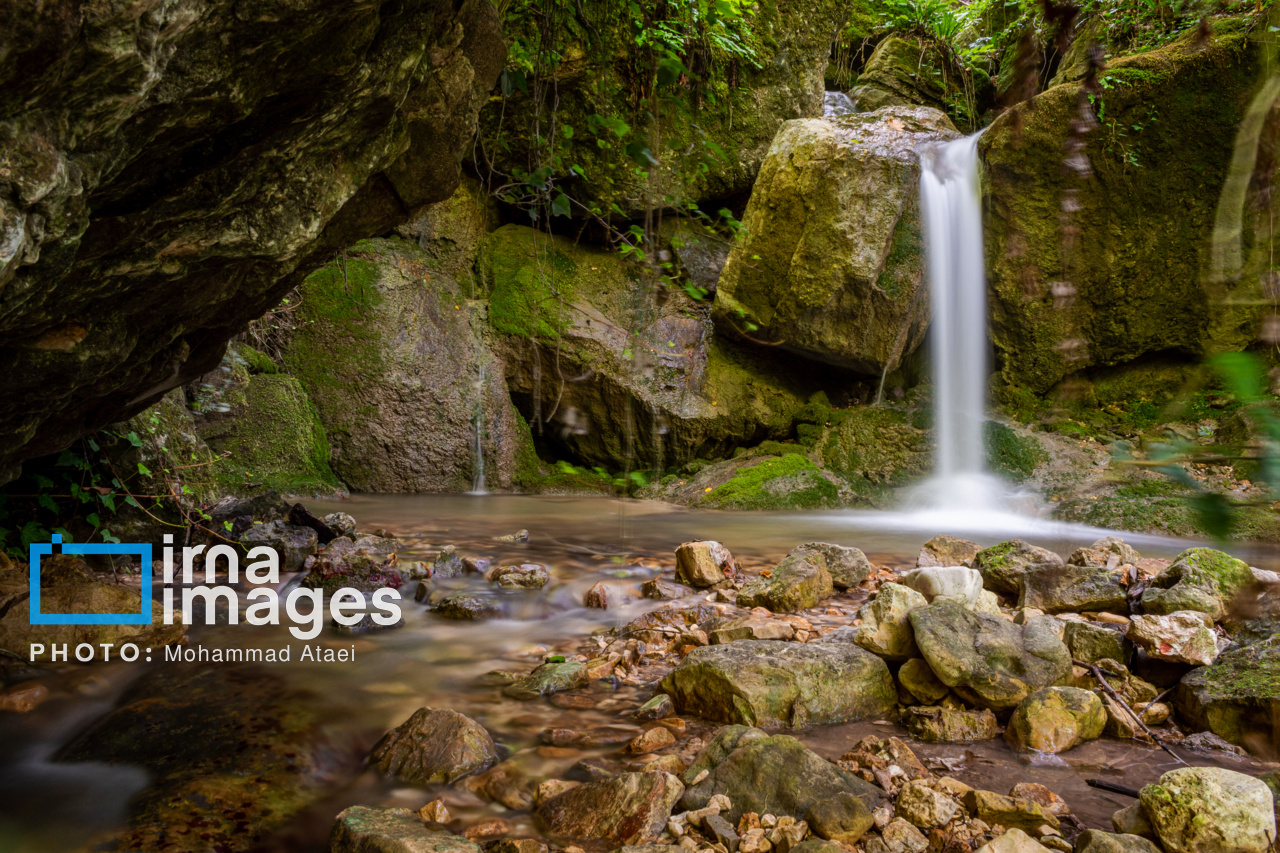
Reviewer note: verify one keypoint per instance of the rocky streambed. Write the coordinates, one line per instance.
(609, 681)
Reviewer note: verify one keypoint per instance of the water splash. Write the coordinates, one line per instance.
(951, 204)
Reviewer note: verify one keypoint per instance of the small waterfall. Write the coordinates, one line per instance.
(836, 104)
(951, 205)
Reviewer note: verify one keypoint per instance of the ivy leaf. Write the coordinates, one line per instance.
(560, 205)
(640, 153)
(109, 501)
(108, 536)
(133, 439)
(48, 503)
(93, 520)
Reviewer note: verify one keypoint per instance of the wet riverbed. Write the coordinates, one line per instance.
(49, 806)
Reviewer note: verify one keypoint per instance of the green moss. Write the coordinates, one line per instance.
(257, 362)
(275, 439)
(1010, 455)
(876, 447)
(779, 482)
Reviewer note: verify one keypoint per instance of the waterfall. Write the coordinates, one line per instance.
(477, 477)
(951, 205)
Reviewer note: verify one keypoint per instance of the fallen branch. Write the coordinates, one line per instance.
(1108, 786)
(1137, 718)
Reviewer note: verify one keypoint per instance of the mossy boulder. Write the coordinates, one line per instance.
(713, 152)
(987, 660)
(799, 582)
(774, 683)
(451, 231)
(876, 448)
(1210, 810)
(1092, 642)
(1144, 209)
(885, 628)
(1003, 566)
(831, 266)
(1237, 698)
(905, 70)
(1073, 589)
(1198, 579)
(1055, 719)
(393, 352)
(777, 482)
(586, 340)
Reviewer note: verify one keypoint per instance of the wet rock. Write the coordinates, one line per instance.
(666, 623)
(1014, 841)
(1056, 719)
(656, 708)
(947, 550)
(1107, 552)
(662, 589)
(520, 537)
(1238, 698)
(341, 524)
(1132, 820)
(365, 829)
(630, 808)
(1210, 743)
(1183, 637)
(23, 698)
(471, 605)
(605, 596)
(1091, 643)
(767, 775)
(650, 741)
(434, 746)
(774, 683)
(514, 782)
(937, 724)
(987, 660)
(702, 564)
(343, 564)
(1097, 841)
(924, 807)
(799, 582)
(750, 628)
(548, 678)
(1210, 810)
(848, 566)
(587, 738)
(1199, 579)
(377, 543)
(523, 576)
(1003, 566)
(1041, 795)
(832, 200)
(1072, 589)
(1010, 812)
(843, 817)
(919, 680)
(294, 544)
(448, 563)
(435, 812)
(68, 586)
(946, 583)
(885, 629)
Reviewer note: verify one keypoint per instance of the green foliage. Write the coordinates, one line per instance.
(1010, 455)
(778, 482)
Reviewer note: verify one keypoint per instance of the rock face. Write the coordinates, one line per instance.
(1056, 719)
(67, 586)
(212, 149)
(885, 629)
(393, 353)
(629, 808)
(907, 71)
(988, 661)
(1131, 240)
(799, 582)
(831, 265)
(1199, 579)
(1238, 698)
(434, 746)
(768, 775)
(365, 829)
(772, 683)
(1210, 810)
(1003, 566)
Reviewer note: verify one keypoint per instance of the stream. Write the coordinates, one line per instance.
(431, 661)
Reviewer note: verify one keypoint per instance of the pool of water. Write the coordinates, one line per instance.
(431, 661)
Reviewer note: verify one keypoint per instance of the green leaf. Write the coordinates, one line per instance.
(109, 501)
(1241, 373)
(48, 503)
(560, 205)
(43, 482)
(108, 536)
(93, 520)
(133, 439)
(144, 470)
(1215, 514)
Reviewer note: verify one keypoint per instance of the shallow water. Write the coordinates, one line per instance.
(436, 662)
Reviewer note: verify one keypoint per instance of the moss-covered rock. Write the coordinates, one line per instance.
(876, 448)
(831, 267)
(274, 437)
(712, 151)
(451, 231)
(1210, 810)
(1145, 214)
(1200, 579)
(799, 582)
(776, 482)
(1237, 698)
(1055, 719)
(619, 370)
(906, 71)
(393, 351)
(1003, 565)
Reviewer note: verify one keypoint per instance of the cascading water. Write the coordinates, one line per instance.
(951, 203)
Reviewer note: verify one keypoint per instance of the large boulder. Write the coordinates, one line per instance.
(713, 153)
(1002, 566)
(1238, 698)
(766, 774)
(987, 660)
(566, 316)
(885, 628)
(1136, 277)
(1186, 636)
(434, 746)
(799, 582)
(1055, 719)
(1073, 589)
(629, 808)
(1199, 579)
(831, 265)
(906, 70)
(392, 351)
(68, 586)
(773, 683)
(848, 566)
(210, 151)
(1210, 810)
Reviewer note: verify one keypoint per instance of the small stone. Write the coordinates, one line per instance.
(904, 836)
(519, 537)
(524, 576)
(651, 741)
(487, 829)
(23, 698)
(656, 708)
(1013, 841)
(1097, 841)
(1132, 820)
(1009, 812)
(434, 811)
(341, 524)
(702, 564)
(1037, 793)
(548, 678)
(750, 627)
(662, 589)
(434, 746)
(721, 831)
(843, 818)
(925, 807)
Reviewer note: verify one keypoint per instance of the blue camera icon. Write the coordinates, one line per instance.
(39, 550)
